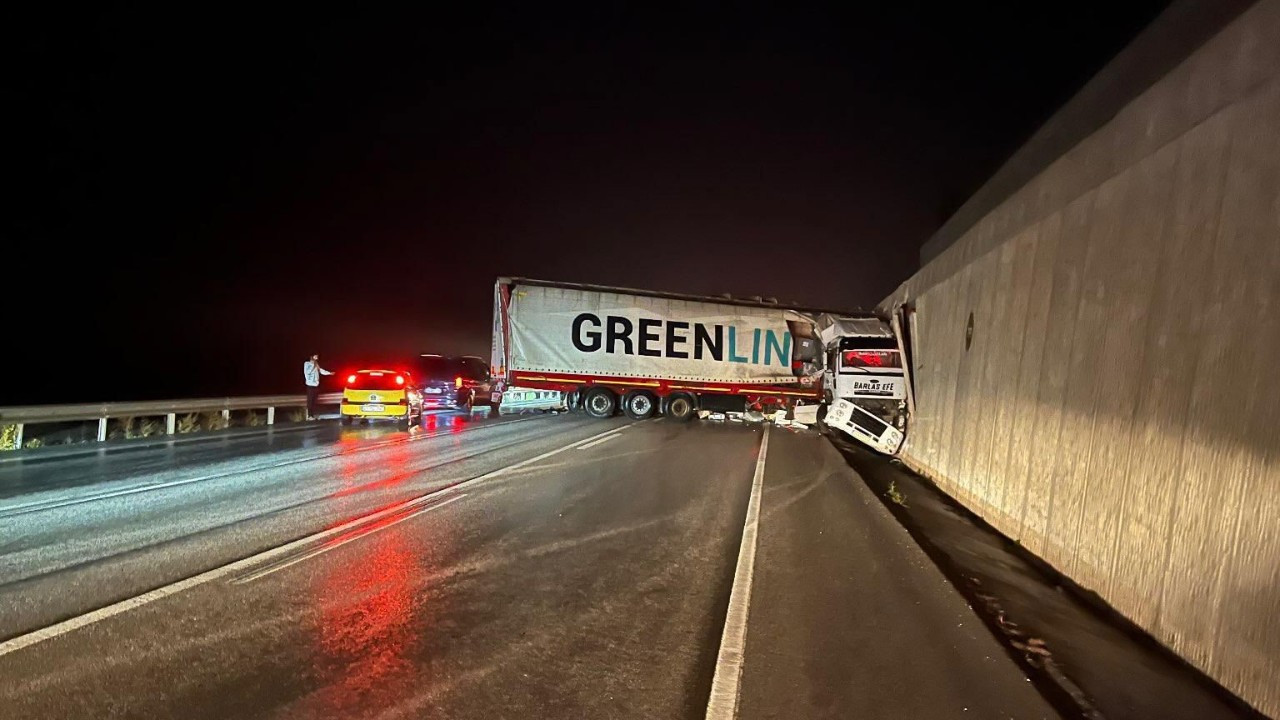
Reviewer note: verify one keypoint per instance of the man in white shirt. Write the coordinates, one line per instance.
(311, 372)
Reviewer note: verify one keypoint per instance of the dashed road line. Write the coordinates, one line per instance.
(57, 503)
(594, 443)
(240, 566)
(363, 531)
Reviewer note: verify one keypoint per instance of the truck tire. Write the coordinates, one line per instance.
(600, 402)
(571, 401)
(823, 427)
(639, 404)
(681, 408)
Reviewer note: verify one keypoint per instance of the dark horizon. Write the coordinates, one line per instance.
(208, 200)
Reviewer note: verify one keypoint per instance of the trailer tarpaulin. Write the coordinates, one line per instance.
(498, 360)
(834, 327)
(573, 330)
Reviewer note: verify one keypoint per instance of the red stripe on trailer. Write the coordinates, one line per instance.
(568, 382)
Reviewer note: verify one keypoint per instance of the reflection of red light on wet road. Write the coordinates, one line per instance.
(347, 461)
(367, 623)
(370, 527)
(391, 465)
(374, 614)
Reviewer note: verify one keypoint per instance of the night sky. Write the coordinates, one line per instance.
(205, 199)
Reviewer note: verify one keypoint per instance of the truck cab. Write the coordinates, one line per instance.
(864, 382)
(868, 369)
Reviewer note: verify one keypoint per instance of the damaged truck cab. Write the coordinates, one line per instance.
(864, 383)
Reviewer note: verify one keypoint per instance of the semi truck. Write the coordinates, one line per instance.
(864, 381)
(648, 353)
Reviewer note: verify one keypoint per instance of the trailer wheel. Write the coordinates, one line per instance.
(639, 404)
(571, 401)
(680, 407)
(600, 402)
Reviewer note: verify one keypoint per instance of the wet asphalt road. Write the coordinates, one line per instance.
(554, 567)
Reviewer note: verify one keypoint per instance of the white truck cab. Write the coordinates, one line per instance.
(864, 381)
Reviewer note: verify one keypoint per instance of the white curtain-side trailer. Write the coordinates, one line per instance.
(646, 353)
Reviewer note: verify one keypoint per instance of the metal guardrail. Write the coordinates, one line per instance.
(22, 416)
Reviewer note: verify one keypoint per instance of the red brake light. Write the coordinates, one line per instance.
(399, 379)
(457, 382)
(351, 379)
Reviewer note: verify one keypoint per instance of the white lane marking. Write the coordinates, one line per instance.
(593, 443)
(56, 503)
(353, 536)
(723, 703)
(233, 568)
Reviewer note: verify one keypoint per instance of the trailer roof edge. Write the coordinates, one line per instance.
(738, 302)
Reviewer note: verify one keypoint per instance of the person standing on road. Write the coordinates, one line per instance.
(311, 372)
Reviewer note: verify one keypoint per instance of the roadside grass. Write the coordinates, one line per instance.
(9, 437)
(896, 495)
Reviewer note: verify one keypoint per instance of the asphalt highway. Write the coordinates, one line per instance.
(526, 567)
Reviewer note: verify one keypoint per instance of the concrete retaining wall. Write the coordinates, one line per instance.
(1117, 410)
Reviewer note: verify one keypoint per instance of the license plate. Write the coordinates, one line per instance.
(434, 391)
(373, 408)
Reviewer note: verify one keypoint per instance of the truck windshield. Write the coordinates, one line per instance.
(869, 352)
(870, 358)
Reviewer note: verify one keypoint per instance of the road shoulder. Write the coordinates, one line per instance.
(850, 618)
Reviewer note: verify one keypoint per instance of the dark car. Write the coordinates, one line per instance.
(454, 382)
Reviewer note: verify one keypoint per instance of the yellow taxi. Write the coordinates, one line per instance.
(380, 394)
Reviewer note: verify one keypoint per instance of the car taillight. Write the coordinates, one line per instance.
(457, 382)
(399, 379)
(351, 379)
